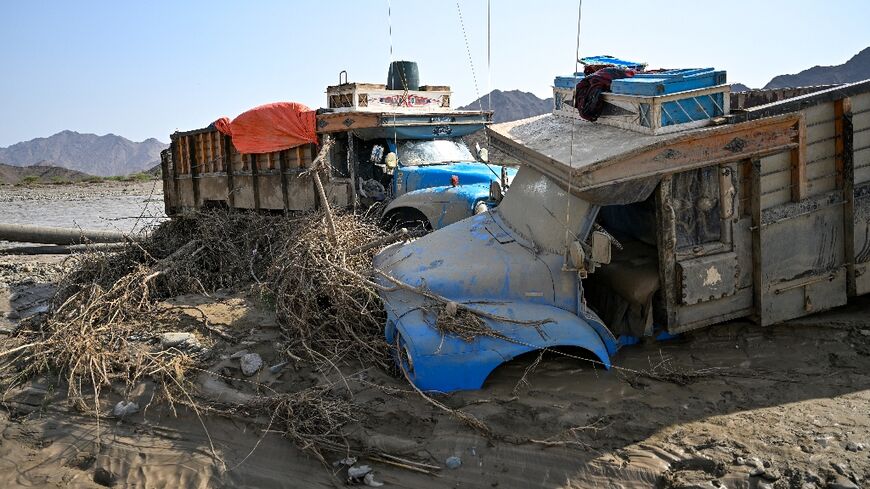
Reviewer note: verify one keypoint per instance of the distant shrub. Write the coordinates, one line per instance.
(93, 179)
(29, 180)
(60, 181)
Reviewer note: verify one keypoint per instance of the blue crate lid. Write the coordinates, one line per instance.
(667, 82)
(605, 60)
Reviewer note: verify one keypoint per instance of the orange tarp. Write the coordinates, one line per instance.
(271, 127)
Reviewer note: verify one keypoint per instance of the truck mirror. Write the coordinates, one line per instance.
(495, 192)
(577, 255)
(600, 247)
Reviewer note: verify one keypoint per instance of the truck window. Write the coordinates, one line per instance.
(696, 206)
(416, 152)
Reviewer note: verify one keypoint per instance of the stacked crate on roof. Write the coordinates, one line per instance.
(655, 102)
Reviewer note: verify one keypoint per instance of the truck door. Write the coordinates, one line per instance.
(705, 247)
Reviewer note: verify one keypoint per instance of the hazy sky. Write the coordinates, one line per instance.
(144, 69)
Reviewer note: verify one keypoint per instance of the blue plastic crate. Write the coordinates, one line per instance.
(610, 60)
(667, 82)
(567, 81)
(692, 109)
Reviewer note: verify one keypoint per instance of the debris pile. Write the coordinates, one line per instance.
(109, 324)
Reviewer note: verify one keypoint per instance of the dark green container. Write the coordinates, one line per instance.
(403, 75)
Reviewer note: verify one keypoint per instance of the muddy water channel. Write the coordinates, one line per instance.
(123, 206)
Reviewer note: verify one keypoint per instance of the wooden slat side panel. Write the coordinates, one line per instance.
(819, 114)
(860, 103)
(776, 179)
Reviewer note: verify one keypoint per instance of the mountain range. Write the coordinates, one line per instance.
(511, 105)
(96, 155)
(856, 69)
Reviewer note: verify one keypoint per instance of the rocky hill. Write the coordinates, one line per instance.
(43, 174)
(856, 69)
(97, 155)
(511, 105)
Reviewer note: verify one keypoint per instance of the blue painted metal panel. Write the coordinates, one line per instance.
(446, 363)
(667, 82)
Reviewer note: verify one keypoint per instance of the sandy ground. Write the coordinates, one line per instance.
(734, 405)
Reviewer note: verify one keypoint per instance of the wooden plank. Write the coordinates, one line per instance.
(755, 214)
(667, 243)
(299, 159)
(255, 179)
(845, 164)
(282, 168)
(228, 167)
(194, 173)
(799, 163)
(702, 148)
(351, 165)
(842, 108)
(175, 142)
(345, 121)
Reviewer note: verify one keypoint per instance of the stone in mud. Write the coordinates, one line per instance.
(178, 340)
(842, 483)
(764, 485)
(757, 472)
(13, 315)
(251, 363)
(823, 441)
(854, 447)
(239, 354)
(124, 408)
(105, 478)
(771, 475)
(453, 462)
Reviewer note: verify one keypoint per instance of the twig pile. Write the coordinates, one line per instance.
(327, 307)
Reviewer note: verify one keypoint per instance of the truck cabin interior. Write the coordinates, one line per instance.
(626, 293)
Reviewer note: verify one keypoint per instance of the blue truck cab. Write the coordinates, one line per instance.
(438, 181)
(401, 144)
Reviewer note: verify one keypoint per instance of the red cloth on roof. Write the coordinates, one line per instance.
(271, 127)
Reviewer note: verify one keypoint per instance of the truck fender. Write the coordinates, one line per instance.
(445, 362)
(441, 205)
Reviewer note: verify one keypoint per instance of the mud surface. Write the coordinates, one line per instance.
(734, 405)
(122, 206)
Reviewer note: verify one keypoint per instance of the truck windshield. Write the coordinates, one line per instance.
(415, 152)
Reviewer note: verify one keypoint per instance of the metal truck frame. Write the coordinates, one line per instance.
(764, 214)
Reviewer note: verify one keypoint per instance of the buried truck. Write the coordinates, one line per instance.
(610, 234)
(399, 143)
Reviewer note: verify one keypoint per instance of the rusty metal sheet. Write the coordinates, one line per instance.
(709, 277)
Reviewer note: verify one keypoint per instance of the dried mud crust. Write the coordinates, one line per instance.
(733, 405)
